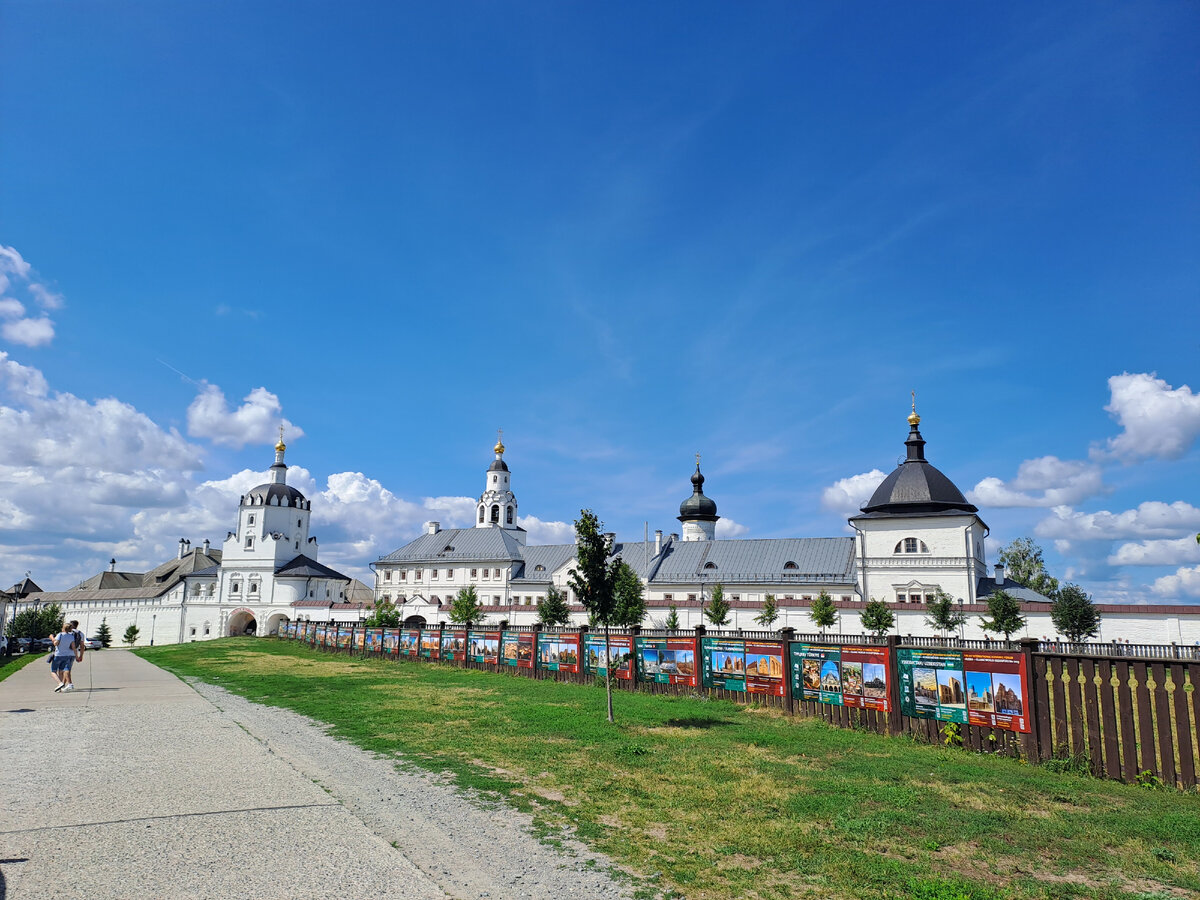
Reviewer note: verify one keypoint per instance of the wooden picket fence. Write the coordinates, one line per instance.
(1127, 713)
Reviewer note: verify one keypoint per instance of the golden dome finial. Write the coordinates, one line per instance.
(913, 418)
(281, 446)
(499, 448)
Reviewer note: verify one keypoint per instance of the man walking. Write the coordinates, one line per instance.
(64, 658)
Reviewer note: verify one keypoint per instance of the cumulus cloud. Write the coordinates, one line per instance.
(256, 421)
(16, 272)
(12, 262)
(547, 532)
(1045, 481)
(29, 332)
(1156, 420)
(10, 308)
(1184, 583)
(847, 495)
(1152, 519)
(46, 298)
(1157, 553)
(727, 528)
(452, 512)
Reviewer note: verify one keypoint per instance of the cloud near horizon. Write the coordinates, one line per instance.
(17, 327)
(256, 421)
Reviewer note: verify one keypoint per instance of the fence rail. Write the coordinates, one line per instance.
(1127, 712)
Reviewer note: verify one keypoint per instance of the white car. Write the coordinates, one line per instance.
(92, 643)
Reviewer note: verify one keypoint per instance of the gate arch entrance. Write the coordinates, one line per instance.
(241, 621)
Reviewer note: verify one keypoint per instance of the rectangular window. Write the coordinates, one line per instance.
(669, 598)
(910, 545)
(254, 587)
(206, 629)
(250, 519)
(691, 598)
(235, 588)
(404, 574)
(449, 573)
(807, 598)
(387, 575)
(485, 574)
(249, 543)
(495, 573)
(735, 597)
(845, 599)
(433, 573)
(417, 575)
(474, 573)
(495, 601)
(193, 632)
(901, 598)
(789, 597)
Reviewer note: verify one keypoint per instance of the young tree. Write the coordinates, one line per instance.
(769, 612)
(131, 635)
(594, 581)
(104, 633)
(1023, 560)
(673, 618)
(466, 607)
(630, 597)
(943, 616)
(1005, 612)
(1074, 614)
(384, 615)
(877, 617)
(823, 612)
(554, 610)
(718, 608)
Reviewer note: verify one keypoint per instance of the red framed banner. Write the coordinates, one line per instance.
(558, 652)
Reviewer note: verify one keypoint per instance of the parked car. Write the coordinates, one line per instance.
(92, 643)
(37, 645)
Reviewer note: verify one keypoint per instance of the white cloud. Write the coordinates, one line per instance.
(1045, 481)
(10, 308)
(13, 263)
(46, 298)
(728, 528)
(1157, 553)
(256, 421)
(1152, 519)
(847, 495)
(452, 512)
(1157, 421)
(29, 332)
(1185, 582)
(21, 380)
(547, 532)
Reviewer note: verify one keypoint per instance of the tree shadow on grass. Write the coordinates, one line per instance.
(697, 722)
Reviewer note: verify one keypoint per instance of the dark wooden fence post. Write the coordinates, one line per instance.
(788, 634)
(634, 632)
(1029, 742)
(537, 631)
(466, 644)
(895, 717)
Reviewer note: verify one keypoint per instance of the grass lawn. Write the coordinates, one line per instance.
(10, 664)
(722, 800)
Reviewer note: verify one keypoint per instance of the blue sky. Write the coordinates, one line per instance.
(624, 233)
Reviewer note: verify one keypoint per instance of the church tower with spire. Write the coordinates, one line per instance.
(497, 507)
(698, 513)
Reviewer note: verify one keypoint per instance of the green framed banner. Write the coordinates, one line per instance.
(483, 646)
(374, 643)
(968, 687)
(619, 655)
(844, 675)
(360, 635)
(410, 642)
(454, 644)
(558, 651)
(666, 660)
(391, 641)
(517, 649)
(431, 643)
(344, 636)
(755, 667)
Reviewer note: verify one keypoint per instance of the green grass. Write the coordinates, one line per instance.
(730, 801)
(10, 664)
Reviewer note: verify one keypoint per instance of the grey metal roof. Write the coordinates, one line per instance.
(988, 586)
(265, 493)
(828, 559)
(78, 596)
(459, 545)
(303, 567)
(550, 556)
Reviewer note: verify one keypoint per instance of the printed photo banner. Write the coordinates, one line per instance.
(558, 652)
(483, 646)
(517, 649)
(853, 676)
(391, 641)
(410, 642)
(968, 687)
(431, 643)
(454, 645)
(620, 655)
(343, 637)
(735, 665)
(360, 638)
(667, 660)
(374, 640)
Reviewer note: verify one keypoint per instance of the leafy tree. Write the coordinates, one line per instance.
(1005, 612)
(877, 617)
(1074, 614)
(594, 582)
(554, 610)
(384, 615)
(943, 615)
(131, 635)
(1023, 560)
(718, 608)
(37, 622)
(673, 618)
(104, 634)
(466, 607)
(823, 612)
(630, 597)
(769, 612)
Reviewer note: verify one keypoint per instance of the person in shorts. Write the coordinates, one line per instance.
(63, 658)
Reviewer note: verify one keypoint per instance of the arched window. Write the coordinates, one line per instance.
(790, 565)
(710, 565)
(480, 512)
(911, 545)
(496, 513)
(509, 515)
(539, 568)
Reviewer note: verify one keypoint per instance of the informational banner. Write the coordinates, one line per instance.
(374, 640)
(968, 687)
(558, 652)
(391, 641)
(454, 645)
(666, 660)
(737, 665)
(844, 675)
(360, 642)
(431, 643)
(620, 655)
(483, 646)
(410, 642)
(343, 637)
(518, 649)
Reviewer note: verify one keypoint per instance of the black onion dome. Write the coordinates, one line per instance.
(698, 506)
(498, 465)
(916, 486)
(266, 494)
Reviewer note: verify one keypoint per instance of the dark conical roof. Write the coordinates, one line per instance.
(917, 487)
(698, 506)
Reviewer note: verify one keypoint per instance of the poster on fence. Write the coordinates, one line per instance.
(343, 637)
(558, 652)
(431, 643)
(410, 642)
(483, 646)
(620, 655)
(360, 638)
(454, 645)
(853, 676)
(374, 640)
(518, 649)
(666, 660)
(737, 665)
(967, 687)
(391, 641)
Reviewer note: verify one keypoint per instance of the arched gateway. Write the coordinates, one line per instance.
(241, 621)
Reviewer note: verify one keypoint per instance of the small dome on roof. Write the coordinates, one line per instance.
(916, 486)
(698, 506)
(266, 494)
